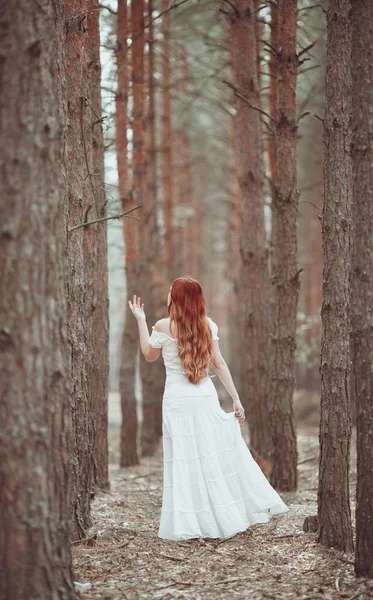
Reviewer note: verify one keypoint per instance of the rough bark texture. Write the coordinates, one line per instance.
(35, 560)
(182, 168)
(272, 141)
(255, 276)
(77, 202)
(86, 272)
(152, 374)
(334, 512)
(95, 243)
(234, 274)
(285, 275)
(167, 141)
(362, 275)
(129, 352)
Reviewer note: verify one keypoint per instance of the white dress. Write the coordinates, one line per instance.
(212, 486)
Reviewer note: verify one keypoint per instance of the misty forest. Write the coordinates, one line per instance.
(141, 141)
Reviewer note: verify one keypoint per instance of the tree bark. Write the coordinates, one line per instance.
(167, 141)
(285, 275)
(272, 138)
(253, 243)
(35, 558)
(129, 454)
(334, 514)
(77, 203)
(97, 308)
(152, 374)
(362, 275)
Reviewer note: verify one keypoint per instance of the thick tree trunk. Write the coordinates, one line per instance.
(167, 141)
(86, 273)
(97, 310)
(285, 274)
(78, 201)
(334, 514)
(253, 243)
(152, 374)
(362, 275)
(35, 559)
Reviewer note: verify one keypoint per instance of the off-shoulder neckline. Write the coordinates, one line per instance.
(169, 337)
(162, 333)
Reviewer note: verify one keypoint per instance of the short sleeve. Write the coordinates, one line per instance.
(156, 339)
(214, 329)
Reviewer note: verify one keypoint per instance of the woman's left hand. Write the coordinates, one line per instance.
(137, 309)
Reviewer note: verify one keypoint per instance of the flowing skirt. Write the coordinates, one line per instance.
(212, 486)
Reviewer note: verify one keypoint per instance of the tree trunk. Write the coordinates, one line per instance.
(129, 434)
(253, 243)
(78, 201)
(152, 374)
(362, 275)
(167, 141)
(285, 275)
(97, 309)
(234, 318)
(35, 553)
(272, 139)
(334, 514)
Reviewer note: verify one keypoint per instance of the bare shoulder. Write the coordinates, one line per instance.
(163, 325)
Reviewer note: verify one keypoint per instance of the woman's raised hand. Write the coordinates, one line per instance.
(137, 308)
(239, 410)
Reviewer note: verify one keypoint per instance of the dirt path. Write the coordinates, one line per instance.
(124, 559)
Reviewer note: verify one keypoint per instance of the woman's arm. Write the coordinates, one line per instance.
(222, 370)
(151, 354)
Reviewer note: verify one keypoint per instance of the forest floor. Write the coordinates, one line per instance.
(123, 558)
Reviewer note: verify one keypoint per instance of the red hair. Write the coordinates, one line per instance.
(187, 310)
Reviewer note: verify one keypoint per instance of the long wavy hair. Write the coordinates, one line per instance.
(187, 310)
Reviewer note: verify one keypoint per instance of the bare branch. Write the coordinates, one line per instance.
(270, 46)
(113, 12)
(307, 48)
(304, 114)
(236, 12)
(119, 216)
(237, 93)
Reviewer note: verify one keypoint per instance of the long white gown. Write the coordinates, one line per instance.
(212, 486)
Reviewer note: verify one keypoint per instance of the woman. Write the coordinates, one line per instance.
(212, 487)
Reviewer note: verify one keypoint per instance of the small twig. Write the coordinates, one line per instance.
(233, 580)
(84, 14)
(113, 12)
(306, 49)
(301, 462)
(158, 16)
(313, 204)
(310, 7)
(308, 69)
(304, 114)
(270, 46)
(161, 587)
(290, 535)
(318, 117)
(86, 212)
(236, 12)
(175, 558)
(124, 544)
(237, 93)
(125, 214)
(86, 539)
(261, 7)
